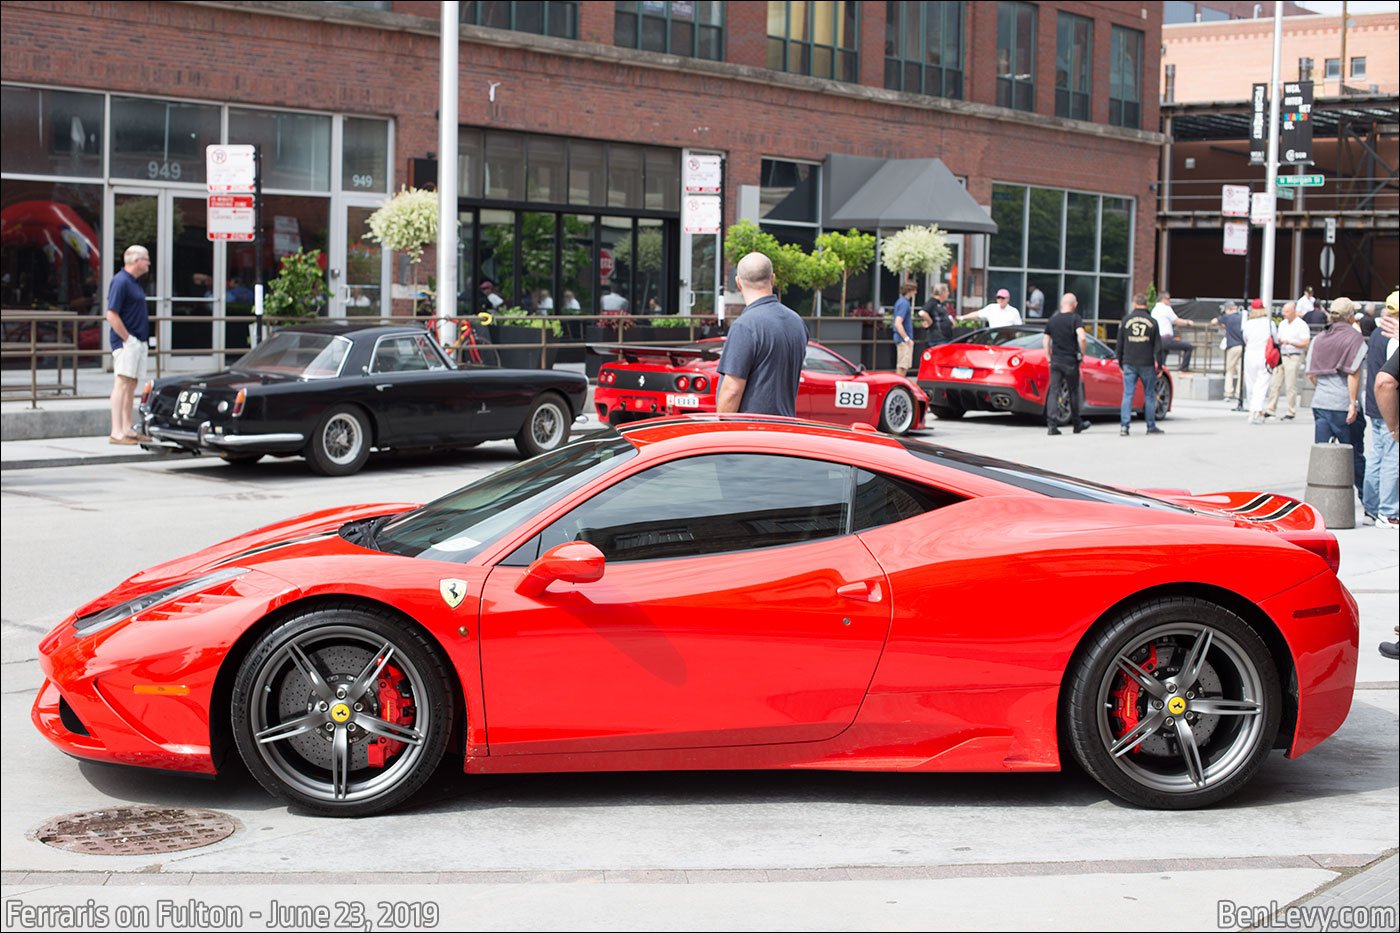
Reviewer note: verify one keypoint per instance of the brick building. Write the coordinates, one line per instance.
(577, 121)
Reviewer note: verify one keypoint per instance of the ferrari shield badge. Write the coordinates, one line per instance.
(453, 592)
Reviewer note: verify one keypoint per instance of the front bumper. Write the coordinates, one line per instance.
(218, 439)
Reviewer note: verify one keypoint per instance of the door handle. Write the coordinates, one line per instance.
(384, 385)
(868, 590)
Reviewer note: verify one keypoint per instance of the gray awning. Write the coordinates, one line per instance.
(894, 193)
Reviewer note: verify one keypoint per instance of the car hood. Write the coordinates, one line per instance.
(247, 550)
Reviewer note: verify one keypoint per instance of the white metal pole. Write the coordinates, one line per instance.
(1266, 266)
(447, 179)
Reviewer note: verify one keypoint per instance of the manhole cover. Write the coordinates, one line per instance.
(135, 830)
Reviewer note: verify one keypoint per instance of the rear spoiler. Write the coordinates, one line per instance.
(634, 354)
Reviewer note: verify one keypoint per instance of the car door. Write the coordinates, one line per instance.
(1100, 375)
(831, 389)
(418, 399)
(734, 609)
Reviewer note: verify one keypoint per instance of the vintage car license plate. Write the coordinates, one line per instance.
(852, 395)
(962, 372)
(187, 403)
(682, 401)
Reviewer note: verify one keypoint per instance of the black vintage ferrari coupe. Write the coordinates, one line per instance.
(332, 392)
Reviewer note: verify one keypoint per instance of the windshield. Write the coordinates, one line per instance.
(294, 353)
(1024, 337)
(462, 524)
(1034, 479)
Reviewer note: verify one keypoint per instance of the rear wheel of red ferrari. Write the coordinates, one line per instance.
(342, 711)
(897, 411)
(1174, 705)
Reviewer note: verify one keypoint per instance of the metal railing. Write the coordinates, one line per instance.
(60, 354)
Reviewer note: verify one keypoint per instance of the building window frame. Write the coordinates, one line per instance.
(1332, 69)
(1124, 80)
(798, 56)
(552, 13)
(917, 75)
(638, 12)
(1015, 79)
(1072, 97)
(1358, 72)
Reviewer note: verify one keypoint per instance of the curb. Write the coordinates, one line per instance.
(42, 463)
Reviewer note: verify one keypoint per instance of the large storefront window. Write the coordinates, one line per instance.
(296, 147)
(1062, 241)
(161, 140)
(365, 155)
(50, 246)
(50, 132)
(680, 28)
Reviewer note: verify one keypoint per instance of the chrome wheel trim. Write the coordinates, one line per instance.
(295, 675)
(342, 438)
(547, 425)
(1209, 747)
(899, 411)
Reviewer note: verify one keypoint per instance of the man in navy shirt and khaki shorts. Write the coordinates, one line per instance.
(131, 327)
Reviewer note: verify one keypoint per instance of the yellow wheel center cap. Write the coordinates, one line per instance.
(341, 712)
(1176, 705)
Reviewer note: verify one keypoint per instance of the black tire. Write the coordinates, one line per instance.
(1163, 399)
(1135, 733)
(546, 425)
(340, 444)
(1061, 403)
(946, 413)
(240, 459)
(897, 411)
(308, 724)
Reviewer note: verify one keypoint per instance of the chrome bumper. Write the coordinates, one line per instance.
(205, 437)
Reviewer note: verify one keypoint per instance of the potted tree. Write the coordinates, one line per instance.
(912, 251)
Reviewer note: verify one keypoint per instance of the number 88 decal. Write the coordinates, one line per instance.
(851, 395)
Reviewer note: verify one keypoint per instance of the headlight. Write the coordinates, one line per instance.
(96, 622)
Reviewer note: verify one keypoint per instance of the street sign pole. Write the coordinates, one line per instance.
(1244, 308)
(257, 241)
(1266, 264)
(445, 301)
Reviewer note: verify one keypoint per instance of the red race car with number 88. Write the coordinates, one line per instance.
(649, 382)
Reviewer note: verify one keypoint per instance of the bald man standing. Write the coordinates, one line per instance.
(762, 360)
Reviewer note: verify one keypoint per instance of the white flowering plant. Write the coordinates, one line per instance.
(916, 249)
(407, 223)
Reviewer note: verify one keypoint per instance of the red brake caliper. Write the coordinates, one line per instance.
(395, 707)
(1126, 696)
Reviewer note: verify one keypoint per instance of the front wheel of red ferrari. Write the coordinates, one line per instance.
(1174, 705)
(342, 711)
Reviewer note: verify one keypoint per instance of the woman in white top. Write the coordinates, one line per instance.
(1257, 331)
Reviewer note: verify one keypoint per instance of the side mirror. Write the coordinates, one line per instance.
(572, 562)
(861, 368)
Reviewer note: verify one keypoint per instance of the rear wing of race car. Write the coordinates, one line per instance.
(635, 354)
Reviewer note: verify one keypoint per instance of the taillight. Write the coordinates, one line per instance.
(1321, 543)
(146, 393)
(928, 354)
(701, 383)
(238, 401)
(682, 383)
(605, 377)
(1015, 361)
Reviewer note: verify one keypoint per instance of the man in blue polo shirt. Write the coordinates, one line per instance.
(131, 327)
(763, 354)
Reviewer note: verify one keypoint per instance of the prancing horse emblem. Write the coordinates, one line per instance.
(641, 381)
(453, 592)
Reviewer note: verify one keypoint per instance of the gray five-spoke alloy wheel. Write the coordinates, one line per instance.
(340, 713)
(1175, 705)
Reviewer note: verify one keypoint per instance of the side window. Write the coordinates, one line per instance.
(1096, 350)
(884, 500)
(405, 354)
(820, 361)
(710, 505)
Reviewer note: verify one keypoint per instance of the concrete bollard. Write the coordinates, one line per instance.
(1330, 485)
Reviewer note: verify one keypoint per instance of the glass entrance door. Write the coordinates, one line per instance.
(180, 288)
(357, 264)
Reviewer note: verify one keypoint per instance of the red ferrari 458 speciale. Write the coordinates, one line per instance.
(728, 592)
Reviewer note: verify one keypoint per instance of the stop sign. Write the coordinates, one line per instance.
(605, 263)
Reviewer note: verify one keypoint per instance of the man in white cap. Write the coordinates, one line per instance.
(1001, 313)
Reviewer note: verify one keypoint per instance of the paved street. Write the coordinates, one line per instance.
(668, 851)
